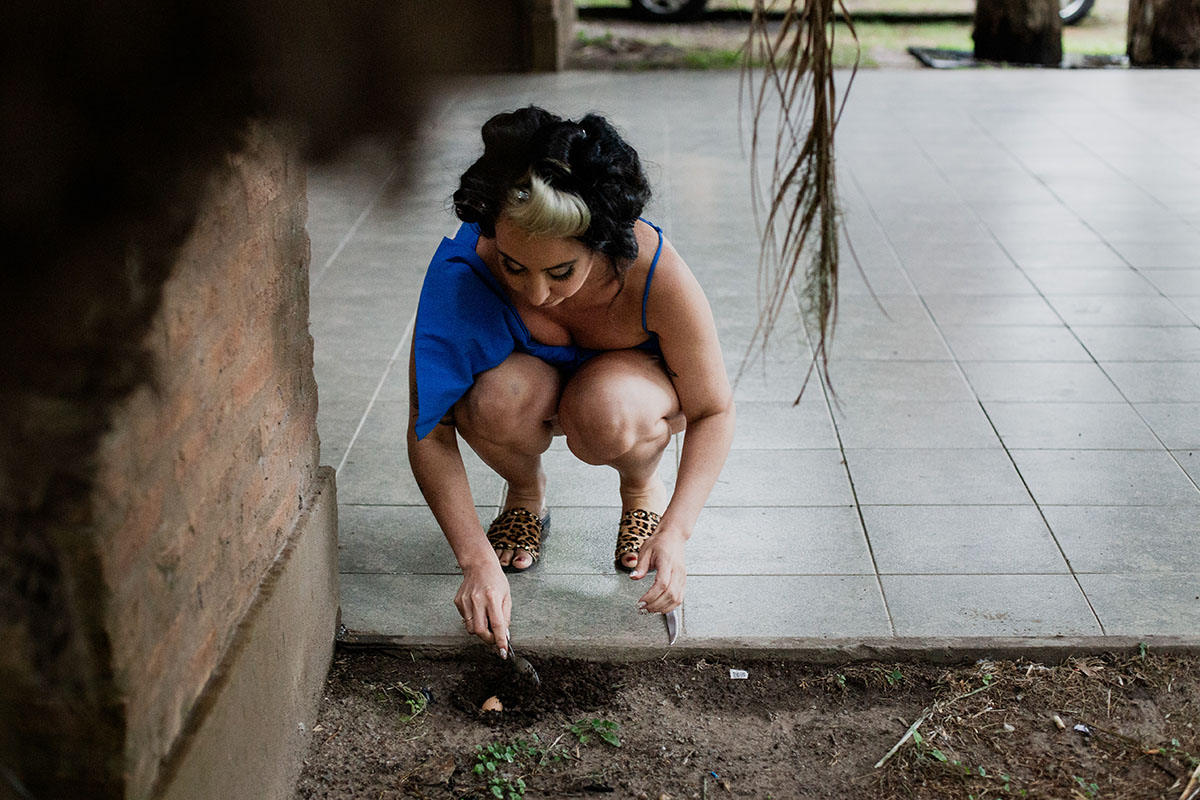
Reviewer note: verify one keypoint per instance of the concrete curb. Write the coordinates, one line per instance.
(817, 651)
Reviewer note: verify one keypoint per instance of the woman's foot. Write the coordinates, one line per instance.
(648, 502)
(531, 498)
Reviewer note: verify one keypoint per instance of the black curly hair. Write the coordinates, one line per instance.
(587, 158)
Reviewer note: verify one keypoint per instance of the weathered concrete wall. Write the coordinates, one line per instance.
(209, 465)
(157, 452)
(250, 730)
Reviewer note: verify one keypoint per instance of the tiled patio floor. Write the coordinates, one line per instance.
(1015, 452)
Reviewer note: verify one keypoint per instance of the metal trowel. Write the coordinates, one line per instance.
(521, 668)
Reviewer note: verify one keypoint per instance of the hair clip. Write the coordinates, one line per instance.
(522, 195)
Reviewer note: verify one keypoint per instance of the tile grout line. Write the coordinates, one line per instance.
(958, 365)
(1071, 329)
(862, 522)
(408, 329)
(353, 229)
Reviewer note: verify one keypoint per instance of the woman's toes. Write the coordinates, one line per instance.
(505, 557)
(630, 559)
(521, 560)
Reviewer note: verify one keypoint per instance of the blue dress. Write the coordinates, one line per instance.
(466, 325)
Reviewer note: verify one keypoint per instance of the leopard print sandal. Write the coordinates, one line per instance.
(519, 529)
(635, 528)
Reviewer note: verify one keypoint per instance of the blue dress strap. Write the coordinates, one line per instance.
(650, 273)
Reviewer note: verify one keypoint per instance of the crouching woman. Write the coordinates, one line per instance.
(557, 310)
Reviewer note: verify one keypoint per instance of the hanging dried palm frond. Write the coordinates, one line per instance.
(788, 74)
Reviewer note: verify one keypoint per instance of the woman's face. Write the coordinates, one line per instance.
(541, 272)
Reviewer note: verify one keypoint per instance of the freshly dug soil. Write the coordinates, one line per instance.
(395, 725)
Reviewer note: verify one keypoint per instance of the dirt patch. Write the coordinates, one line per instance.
(394, 725)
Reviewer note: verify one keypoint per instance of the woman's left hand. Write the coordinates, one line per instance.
(662, 552)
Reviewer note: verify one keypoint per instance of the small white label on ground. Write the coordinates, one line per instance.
(738, 674)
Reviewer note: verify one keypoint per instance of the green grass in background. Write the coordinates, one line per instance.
(875, 39)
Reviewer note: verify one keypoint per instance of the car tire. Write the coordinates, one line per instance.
(668, 10)
(1071, 11)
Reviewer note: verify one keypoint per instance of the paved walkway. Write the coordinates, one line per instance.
(1015, 456)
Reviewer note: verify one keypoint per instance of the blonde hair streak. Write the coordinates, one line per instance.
(543, 211)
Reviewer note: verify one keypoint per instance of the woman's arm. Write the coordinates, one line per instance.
(483, 600)
(680, 314)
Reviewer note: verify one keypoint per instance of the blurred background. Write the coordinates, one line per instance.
(612, 34)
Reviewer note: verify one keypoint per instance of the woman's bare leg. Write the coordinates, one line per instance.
(620, 410)
(505, 418)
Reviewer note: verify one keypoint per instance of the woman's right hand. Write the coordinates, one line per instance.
(485, 603)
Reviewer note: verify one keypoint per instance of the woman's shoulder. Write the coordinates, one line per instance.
(659, 265)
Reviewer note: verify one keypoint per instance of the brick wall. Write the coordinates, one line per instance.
(207, 467)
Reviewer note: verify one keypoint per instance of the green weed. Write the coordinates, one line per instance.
(605, 729)
(399, 694)
(503, 766)
(1001, 781)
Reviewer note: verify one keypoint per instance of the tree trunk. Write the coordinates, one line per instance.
(1164, 33)
(1019, 31)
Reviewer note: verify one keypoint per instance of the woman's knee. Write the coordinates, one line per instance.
(603, 424)
(520, 392)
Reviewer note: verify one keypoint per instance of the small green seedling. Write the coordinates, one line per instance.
(605, 729)
(496, 763)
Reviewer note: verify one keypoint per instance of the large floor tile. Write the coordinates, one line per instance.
(1174, 282)
(1150, 254)
(746, 607)
(961, 540)
(784, 426)
(941, 254)
(1160, 382)
(398, 540)
(773, 381)
(1077, 310)
(1059, 255)
(782, 478)
(377, 472)
(913, 424)
(402, 605)
(1000, 381)
(1014, 343)
(988, 605)
(935, 477)
(373, 477)
(1085, 281)
(915, 341)
(1131, 539)
(779, 541)
(1146, 605)
(581, 541)
(1105, 477)
(558, 608)
(897, 381)
(971, 281)
(1190, 306)
(1190, 461)
(1071, 426)
(1129, 343)
(1176, 424)
(572, 482)
(1021, 309)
